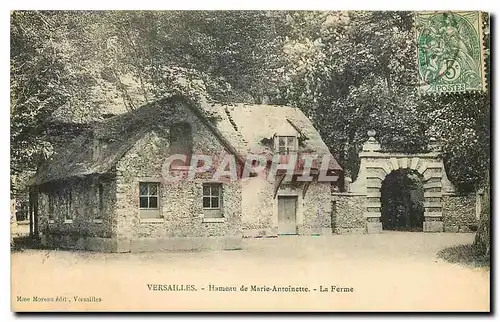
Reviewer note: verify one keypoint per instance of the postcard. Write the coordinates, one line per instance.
(262, 161)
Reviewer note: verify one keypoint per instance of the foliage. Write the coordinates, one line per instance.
(220, 55)
(348, 71)
(74, 64)
(352, 72)
(355, 71)
(39, 83)
(463, 122)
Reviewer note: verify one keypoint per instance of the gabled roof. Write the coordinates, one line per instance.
(77, 159)
(241, 129)
(247, 126)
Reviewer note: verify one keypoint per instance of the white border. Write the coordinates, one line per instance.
(6, 315)
(254, 5)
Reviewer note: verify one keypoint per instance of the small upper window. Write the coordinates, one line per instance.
(181, 136)
(287, 144)
(148, 195)
(181, 141)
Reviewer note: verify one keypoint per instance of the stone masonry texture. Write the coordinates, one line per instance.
(260, 208)
(459, 212)
(87, 222)
(349, 212)
(181, 203)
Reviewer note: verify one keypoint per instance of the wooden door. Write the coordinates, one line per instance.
(287, 214)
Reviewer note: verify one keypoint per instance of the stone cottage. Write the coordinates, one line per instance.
(107, 190)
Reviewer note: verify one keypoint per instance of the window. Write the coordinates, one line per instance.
(287, 144)
(149, 206)
(212, 200)
(181, 142)
(211, 196)
(148, 195)
(288, 186)
(51, 211)
(100, 208)
(68, 217)
(96, 149)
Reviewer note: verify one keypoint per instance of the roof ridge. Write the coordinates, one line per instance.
(243, 104)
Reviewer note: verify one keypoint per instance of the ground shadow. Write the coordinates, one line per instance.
(467, 255)
(21, 243)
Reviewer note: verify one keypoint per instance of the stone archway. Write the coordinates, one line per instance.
(376, 165)
(402, 197)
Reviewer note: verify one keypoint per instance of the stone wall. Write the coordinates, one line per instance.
(258, 208)
(348, 213)
(316, 211)
(77, 222)
(459, 212)
(181, 224)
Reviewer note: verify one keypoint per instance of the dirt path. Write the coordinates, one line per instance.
(390, 271)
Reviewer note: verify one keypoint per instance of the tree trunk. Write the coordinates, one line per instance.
(482, 241)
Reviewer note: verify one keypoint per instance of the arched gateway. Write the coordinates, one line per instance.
(361, 205)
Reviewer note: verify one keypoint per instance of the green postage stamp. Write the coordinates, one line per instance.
(450, 52)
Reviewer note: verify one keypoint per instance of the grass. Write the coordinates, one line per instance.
(467, 255)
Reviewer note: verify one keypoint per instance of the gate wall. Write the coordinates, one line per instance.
(359, 209)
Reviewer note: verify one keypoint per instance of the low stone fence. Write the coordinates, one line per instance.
(460, 212)
(348, 213)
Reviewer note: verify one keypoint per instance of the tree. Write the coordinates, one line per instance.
(463, 122)
(351, 72)
(354, 71)
(347, 71)
(41, 81)
(74, 64)
(222, 55)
